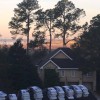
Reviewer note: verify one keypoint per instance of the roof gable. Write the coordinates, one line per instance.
(49, 62)
(65, 51)
(61, 51)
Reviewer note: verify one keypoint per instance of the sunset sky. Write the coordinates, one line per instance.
(91, 7)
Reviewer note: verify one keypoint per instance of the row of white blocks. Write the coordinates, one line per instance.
(35, 93)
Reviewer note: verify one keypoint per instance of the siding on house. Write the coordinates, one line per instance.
(60, 55)
(67, 69)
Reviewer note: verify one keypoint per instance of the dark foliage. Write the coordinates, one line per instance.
(38, 55)
(66, 17)
(39, 40)
(45, 19)
(23, 18)
(22, 73)
(4, 54)
(51, 78)
(88, 46)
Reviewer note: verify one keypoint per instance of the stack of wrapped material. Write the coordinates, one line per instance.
(52, 94)
(3, 95)
(35, 93)
(69, 93)
(12, 97)
(60, 93)
(23, 95)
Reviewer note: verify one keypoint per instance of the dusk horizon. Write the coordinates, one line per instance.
(91, 8)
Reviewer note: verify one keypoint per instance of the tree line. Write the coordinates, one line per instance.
(88, 47)
(19, 71)
(63, 17)
(16, 68)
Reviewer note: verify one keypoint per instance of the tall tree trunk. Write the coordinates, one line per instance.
(64, 31)
(28, 35)
(50, 41)
(64, 41)
(50, 37)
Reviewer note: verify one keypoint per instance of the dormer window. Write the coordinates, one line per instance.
(73, 73)
(89, 74)
(62, 73)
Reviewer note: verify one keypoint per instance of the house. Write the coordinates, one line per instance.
(67, 64)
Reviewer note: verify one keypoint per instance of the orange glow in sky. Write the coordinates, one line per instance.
(92, 8)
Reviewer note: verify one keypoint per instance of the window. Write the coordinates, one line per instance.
(73, 74)
(89, 74)
(62, 73)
